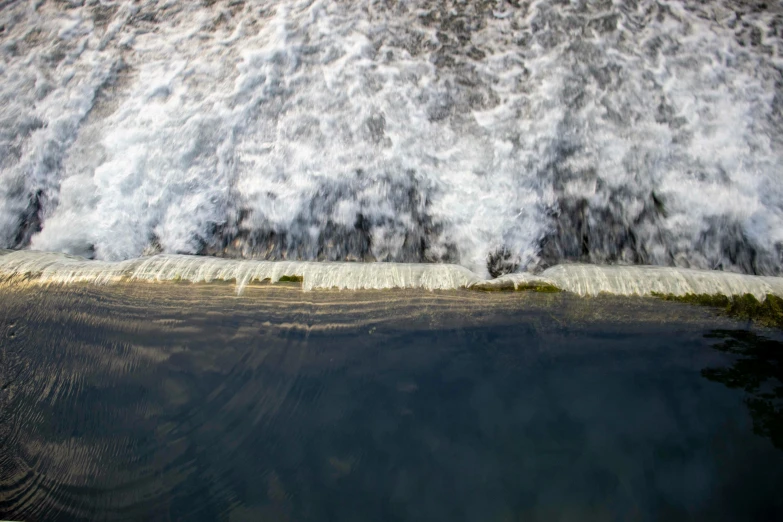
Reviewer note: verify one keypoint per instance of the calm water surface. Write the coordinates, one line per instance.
(187, 402)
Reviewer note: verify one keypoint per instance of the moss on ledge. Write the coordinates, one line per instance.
(291, 279)
(766, 313)
(509, 286)
(545, 288)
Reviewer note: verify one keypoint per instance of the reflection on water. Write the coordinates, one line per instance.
(759, 371)
(188, 402)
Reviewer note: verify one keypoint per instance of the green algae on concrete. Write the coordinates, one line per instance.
(545, 288)
(768, 312)
(510, 286)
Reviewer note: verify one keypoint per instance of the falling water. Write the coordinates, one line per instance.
(586, 280)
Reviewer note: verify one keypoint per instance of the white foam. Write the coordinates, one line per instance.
(133, 123)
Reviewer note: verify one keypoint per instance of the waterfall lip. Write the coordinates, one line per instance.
(642, 280)
(585, 280)
(53, 268)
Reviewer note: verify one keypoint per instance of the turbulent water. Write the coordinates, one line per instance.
(502, 136)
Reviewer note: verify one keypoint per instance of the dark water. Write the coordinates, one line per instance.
(189, 403)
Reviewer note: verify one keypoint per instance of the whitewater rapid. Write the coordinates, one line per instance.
(503, 136)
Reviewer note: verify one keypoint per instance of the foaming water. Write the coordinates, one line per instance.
(497, 136)
(585, 280)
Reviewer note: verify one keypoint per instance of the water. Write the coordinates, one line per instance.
(188, 402)
(501, 136)
(42, 269)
